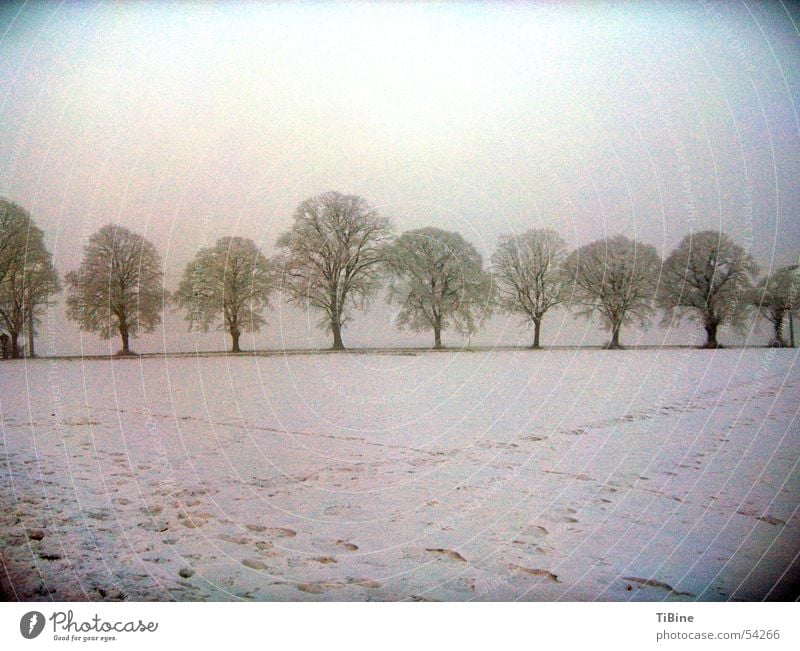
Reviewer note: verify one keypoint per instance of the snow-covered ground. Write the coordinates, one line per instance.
(562, 474)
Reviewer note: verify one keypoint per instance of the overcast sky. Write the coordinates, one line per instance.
(190, 122)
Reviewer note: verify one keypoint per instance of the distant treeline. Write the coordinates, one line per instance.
(339, 252)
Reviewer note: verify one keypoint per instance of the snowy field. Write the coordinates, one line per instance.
(507, 475)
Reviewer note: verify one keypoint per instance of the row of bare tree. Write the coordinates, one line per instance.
(339, 252)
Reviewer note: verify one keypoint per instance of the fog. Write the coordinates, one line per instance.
(191, 122)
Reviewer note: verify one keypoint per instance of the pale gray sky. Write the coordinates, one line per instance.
(194, 121)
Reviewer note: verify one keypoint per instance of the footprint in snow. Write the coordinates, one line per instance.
(652, 583)
(237, 540)
(449, 553)
(546, 575)
(536, 529)
(254, 564)
(347, 545)
(764, 518)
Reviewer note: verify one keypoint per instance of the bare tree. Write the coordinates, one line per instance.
(332, 257)
(708, 278)
(29, 277)
(615, 278)
(118, 286)
(775, 296)
(527, 270)
(437, 279)
(232, 281)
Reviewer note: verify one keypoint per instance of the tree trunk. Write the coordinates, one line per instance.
(335, 311)
(614, 343)
(30, 331)
(123, 333)
(336, 328)
(235, 337)
(537, 324)
(437, 332)
(778, 341)
(14, 345)
(711, 334)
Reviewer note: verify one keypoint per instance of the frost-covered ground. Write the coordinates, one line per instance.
(563, 474)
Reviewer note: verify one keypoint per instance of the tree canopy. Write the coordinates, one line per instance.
(775, 296)
(332, 257)
(528, 274)
(614, 278)
(708, 278)
(437, 279)
(28, 275)
(230, 282)
(118, 286)
(14, 221)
